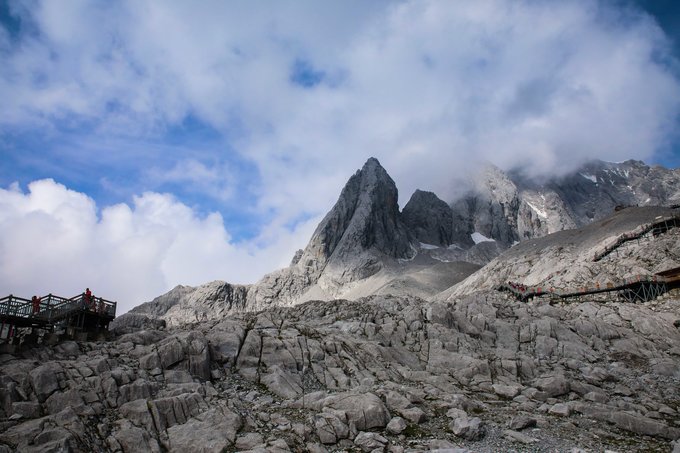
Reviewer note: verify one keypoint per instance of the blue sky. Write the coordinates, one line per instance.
(198, 141)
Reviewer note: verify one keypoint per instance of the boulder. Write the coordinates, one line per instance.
(553, 385)
(249, 441)
(468, 428)
(212, 431)
(414, 414)
(132, 438)
(365, 410)
(396, 425)
(516, 436)
(331, 427)
(560, 409)
(44, 380)
(521, 421)
(506, 391)
(370, 441)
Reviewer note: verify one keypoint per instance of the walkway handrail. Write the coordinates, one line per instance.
(524, 292)
(634, 234)
(53, 308)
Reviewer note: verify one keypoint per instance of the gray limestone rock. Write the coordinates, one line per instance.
(370, 441)
(429, 219)
(45, 380)
(396, 425)
(507, 391)
(249, 441)
(137, 412)
(560, 409)
(516, 436)
(468, 428)
(131, 438)
(27, 409)
(366, 410)
(553, 385)
(211, 431)
(331, 427)
(521, 421)
(414, 414)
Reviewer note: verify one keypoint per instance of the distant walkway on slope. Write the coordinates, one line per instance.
(659, 226)
(78, 313)
(641, 288)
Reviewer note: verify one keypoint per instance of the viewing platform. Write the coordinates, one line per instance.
(76, 314)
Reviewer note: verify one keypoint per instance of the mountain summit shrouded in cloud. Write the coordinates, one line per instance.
(202, 139)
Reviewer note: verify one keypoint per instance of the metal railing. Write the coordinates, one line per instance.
(53, 308)
(651, 286)
(656, 228)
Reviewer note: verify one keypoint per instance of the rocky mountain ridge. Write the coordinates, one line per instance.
(512, 207)
(366, 246)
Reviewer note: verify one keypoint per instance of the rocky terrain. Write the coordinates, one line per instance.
(483, 374)
(386, 334)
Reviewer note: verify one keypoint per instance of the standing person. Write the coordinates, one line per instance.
(87, 298)
(36, 304)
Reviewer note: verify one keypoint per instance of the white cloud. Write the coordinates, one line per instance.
(421, 83)
(51, 240)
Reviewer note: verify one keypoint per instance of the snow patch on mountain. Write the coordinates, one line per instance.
(541, 213)
(590, 177)
(478, 237)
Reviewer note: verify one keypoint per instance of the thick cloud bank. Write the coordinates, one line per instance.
(296, 86)
(52, 240)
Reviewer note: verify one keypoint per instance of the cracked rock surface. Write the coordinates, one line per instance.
(484, 373)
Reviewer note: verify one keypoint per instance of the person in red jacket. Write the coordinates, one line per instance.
(87, 298)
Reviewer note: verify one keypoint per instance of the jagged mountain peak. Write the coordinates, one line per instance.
(360, 234)
(365, 217)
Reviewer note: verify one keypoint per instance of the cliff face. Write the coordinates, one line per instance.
(511, 207)
(365, 221)
(429, 219)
